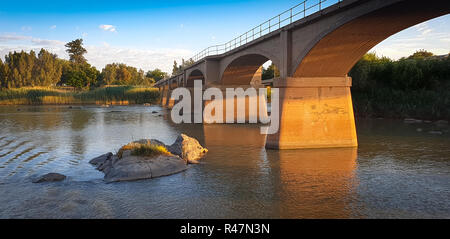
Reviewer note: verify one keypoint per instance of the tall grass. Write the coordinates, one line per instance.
(107, 95)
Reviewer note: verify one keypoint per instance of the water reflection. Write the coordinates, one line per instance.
(320, 182)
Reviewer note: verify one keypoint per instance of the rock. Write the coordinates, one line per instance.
(50, 177)
(419, 130)
(101, 159)
(132, 168)
(129, 167)
(436, 132)
(441, 122)
(189, 149)
(412, 121)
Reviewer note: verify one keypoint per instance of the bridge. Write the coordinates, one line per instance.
(314, 45)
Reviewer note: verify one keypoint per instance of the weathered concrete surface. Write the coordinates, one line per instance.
(315, 113)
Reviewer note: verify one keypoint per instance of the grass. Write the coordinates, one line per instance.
(144, 149)
(123, 95)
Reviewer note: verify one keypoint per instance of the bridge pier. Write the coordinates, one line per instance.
(315, 112)
(250, 106)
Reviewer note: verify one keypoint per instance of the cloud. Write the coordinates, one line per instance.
(421, 36)
(44, 42)
(144, 59)
(109, 28)
(13, 37)
(26, 28)
(53, 27)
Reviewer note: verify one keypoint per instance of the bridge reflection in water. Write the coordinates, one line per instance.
(307, 183)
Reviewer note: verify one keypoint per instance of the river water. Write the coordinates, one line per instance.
(399, 170)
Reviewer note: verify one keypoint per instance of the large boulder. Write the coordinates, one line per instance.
(188, 148)
(124, 166)
(50, 177)
(130, 168)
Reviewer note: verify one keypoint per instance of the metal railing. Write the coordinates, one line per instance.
(299, 11)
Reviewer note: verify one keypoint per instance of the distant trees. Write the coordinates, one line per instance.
(270, 73)
(415, 86)
(121, 74)
(156, 74)
(421, 54)
(177, 69)
(22, 69)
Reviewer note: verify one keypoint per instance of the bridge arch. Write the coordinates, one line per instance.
(194, 74)
(335, 50)
(245, 68)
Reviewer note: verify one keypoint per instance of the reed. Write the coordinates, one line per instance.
(106, 95)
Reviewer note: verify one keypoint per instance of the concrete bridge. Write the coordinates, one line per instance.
(314, 45)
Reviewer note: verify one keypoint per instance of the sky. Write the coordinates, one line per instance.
(152, 34)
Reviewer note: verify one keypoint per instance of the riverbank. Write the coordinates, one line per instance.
(121, 95)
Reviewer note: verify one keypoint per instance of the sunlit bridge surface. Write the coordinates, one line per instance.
(396, 172)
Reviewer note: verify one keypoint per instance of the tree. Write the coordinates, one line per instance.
(421, 54)
(270, 73)
(4, 70)
(47, 70)
(175, 68)
(156, 74)
(76, 51)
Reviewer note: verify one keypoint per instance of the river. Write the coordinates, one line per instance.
(399, 170)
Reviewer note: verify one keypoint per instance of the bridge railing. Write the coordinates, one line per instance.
(299, 11)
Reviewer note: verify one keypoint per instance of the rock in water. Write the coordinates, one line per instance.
(188, 149)
(100, 159)
(135, 168)
(50, 177)
(124, 166)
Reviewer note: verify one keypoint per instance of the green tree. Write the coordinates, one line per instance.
(76, 51)
(175, 68)
(421, 54)
(270, 73)
(156, 74)
(47, 70)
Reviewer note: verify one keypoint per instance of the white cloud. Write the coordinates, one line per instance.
(53, 27)
(163, 59)
(421, 36)
(109, 28)
(26, 28)
(13, 37)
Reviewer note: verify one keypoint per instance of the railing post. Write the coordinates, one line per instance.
(304, 9)
(290, 18)
(279, 21)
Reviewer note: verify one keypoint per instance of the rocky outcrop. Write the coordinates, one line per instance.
(131, 168)
(50, 177)
(189, 149)
(125, 166)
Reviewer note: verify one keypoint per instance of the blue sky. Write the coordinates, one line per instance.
(150, 34)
